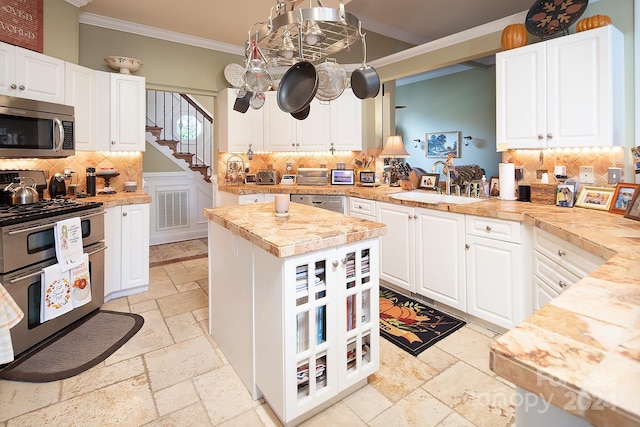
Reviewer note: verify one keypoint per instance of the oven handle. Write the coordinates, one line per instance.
(39, 272)
(43, 227)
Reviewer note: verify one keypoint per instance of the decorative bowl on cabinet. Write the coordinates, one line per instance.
(124, 64)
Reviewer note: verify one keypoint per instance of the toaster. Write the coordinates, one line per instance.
(267, 177)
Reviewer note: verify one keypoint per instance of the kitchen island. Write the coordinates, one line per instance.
(581, 351)
(294, 302)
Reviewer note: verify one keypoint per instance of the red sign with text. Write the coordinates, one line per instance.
(21, 23)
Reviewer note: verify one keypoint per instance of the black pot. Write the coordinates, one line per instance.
(365, 82)
(302, 114)
(242, 103)
(297, 87)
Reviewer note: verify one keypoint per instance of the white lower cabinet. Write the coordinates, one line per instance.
(397, 247)
(557, 265)
(440, 266)
(498, 271)
(362, 208)
(316, 326)
(127, 254)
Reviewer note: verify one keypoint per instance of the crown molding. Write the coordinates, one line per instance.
(78, 3)
(157, 33)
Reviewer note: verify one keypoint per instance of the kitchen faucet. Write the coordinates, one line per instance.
(445, 171)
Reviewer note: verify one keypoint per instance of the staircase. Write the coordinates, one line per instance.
(190, 137)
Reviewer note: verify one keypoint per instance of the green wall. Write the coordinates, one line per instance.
(464, 102)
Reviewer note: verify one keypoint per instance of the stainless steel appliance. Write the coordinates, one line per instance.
(330, 202)
(38, 129)
(267, 177)
(27, 247)
(313, 176)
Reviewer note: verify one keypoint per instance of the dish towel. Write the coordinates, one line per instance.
(80, 282)
(68, 238)
(10, 315)
(56, 293)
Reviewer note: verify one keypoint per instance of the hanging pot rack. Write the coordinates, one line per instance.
(335, 30)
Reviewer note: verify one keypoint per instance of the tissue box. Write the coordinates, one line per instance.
(544, 194)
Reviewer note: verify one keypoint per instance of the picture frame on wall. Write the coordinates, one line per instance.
(566, 195)
(595, 198)
(623, 196)
(633, 210)
(441, 144)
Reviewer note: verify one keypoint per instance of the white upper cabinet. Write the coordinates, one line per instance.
(81, 94)
(121, 105)
(28, 74)
(346, 122)
(565, 92)
(238, 130)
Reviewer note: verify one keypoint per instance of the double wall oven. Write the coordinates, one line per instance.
(27, 246)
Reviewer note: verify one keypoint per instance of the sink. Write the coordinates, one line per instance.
(435, 198)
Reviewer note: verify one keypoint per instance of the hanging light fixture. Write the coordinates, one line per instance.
(287, 50)
(314, 34)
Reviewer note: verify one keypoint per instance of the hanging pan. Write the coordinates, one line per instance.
(365, 81)
(332, 79)
(299, 84)
(302, 114)
(242, 102)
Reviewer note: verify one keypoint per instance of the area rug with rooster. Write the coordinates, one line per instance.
(412, 325)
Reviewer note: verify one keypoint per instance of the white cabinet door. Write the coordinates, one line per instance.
(32, 75)
(313, 132)
(521, 87)
(279, 127)
(238, 131)
(346, 122)
(81, 93)
(127, 112)
(440, 257)
(397, 247)
(495, 286)
(135, 246)
(566, 92)
(127, 254)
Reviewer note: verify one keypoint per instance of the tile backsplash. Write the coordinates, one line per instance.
(128, 164)
(600, 159)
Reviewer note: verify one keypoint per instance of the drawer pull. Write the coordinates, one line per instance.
(409, 216)
(561, 252)
(344, 261)
(562, 284)
(466, 246)
(359, 206)
(335, 263)
(488, 229)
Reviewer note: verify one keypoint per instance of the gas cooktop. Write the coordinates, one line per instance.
(16, 214)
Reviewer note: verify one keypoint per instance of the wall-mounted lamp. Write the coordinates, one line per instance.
(416, 142)
(467, 140)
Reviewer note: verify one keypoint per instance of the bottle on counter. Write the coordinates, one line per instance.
(484, 188)
(91, 181)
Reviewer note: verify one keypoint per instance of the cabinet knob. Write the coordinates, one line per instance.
(113, 143)
(415, 217)
(466, 246)
(14, 86)
(255, 200)
(335, 263)
(359, 207)
(540, 137)
(488, 229)
(561, 252)
(549, 135)
(21, 87)
(124, 214)
(562, 284)
(409, 216)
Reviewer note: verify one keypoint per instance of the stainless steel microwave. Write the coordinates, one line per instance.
(35, 129)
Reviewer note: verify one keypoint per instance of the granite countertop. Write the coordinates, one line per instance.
(306, 229)
(582, 350)
(120, 198)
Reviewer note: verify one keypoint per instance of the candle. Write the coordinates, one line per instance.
(282, 203)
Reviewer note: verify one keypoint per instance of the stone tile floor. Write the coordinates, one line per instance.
(171, 373)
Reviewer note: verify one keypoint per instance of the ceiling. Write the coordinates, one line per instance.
(411, 21)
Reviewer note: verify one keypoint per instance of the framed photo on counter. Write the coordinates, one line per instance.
(633, 210)
(494, 186)
(622, 197)
(595, 198)
(565, 195)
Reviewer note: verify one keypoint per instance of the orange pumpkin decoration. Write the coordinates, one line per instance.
(513, 36)
(592, 22)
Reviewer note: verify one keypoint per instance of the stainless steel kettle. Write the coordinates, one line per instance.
(57, 186)
(21, 193)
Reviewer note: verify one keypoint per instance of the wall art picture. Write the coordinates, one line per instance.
(595, 198)
(622, 197)
(441, 144)
(21, 23)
